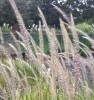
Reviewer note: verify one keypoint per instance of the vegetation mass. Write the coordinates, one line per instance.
(61, 74)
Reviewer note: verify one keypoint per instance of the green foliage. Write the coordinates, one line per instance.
(26, 70)
(40, 91)
(85, 27)
(2, 82)
(90, 21)
(45, 40)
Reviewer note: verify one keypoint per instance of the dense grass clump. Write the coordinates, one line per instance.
(58, 75)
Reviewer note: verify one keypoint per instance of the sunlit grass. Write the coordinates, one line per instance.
(57, 75)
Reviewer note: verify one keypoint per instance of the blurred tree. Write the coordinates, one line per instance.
(81, 9)
(6, 13)
(88, 12)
